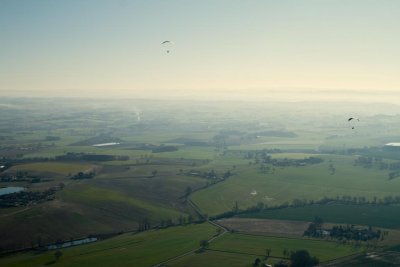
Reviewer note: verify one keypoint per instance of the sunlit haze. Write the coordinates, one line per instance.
(229, 133)
(113, 48)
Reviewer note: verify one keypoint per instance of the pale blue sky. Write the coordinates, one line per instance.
(102, 46)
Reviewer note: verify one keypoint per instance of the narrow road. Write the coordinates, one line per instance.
(197, 210)
(15, 212)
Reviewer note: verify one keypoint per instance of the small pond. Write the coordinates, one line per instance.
(11, 189)
(72, 243)
(106, 144)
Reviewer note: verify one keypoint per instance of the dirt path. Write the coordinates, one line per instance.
(15, 212)
(212, 239)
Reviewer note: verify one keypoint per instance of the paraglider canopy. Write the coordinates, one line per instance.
(351, 121)
(167, 45)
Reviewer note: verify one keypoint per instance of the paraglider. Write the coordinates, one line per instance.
(351, 120)
(167, 45)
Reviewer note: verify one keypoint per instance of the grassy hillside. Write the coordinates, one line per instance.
(106, 199)
(80, 209)
(143, 249)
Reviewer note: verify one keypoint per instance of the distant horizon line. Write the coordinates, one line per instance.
(275, 95)
(211, 90)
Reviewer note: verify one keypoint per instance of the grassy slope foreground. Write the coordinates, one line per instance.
(242, 249)
(155, 246)
(142, 249)
(80, 209)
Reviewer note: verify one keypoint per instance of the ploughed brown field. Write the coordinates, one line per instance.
(274, 227)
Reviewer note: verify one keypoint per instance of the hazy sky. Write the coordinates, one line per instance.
(95, 46)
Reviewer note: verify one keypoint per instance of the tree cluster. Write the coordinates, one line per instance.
(21, 176)
(349, 232)
(24, 198)
(210, 175)
(164, 148)
(369, 162)
(83, 175)
(70, 156)
(264, 158)
(352, 233)
(302, 258)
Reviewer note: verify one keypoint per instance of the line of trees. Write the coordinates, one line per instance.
(146, 224)
(346, 200)
(83, 175)
(70, 156)
(369, 162)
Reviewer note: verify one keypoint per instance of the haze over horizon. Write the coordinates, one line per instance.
(349, 49)
(181, 133)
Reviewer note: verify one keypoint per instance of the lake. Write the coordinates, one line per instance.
(72, 243)
(106, 144)
(9, 190)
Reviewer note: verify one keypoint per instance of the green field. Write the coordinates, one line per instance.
(94, 197)
(252, 244)
(218, 163)
(374, 215)
(54, 167)
(212, 258)
(242, 250)
(143, 249)
(388, 257)
(281, 144)
(311, 182)
(189, 153)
